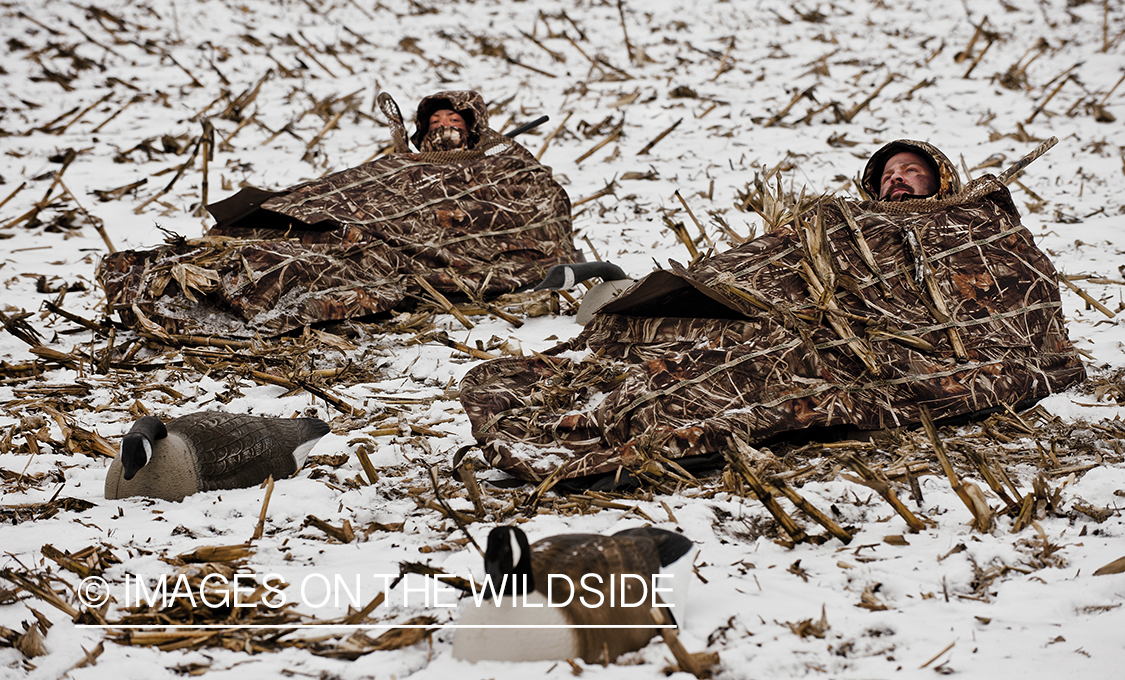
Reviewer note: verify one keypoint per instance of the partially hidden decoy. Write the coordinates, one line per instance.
(525, 576)
(614, 282)
(206, 451)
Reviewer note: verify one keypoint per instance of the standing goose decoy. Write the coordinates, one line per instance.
(521, 574)
(614, 282)
(206, 451)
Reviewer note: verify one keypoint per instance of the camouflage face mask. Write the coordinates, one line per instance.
(444, 139)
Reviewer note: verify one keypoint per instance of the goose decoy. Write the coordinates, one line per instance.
(525, 575)
(206, 451)
(614, 282)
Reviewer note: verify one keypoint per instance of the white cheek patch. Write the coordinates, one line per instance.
(148, 448)
(516, 552)
(569, 280)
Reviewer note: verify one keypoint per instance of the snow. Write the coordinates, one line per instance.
(745, 60)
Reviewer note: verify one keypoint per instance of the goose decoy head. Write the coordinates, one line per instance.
(563, 276)
(507, 561)
(136, 446)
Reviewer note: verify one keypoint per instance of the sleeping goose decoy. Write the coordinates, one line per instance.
(614, 282)
(524, 575)
(206, 451)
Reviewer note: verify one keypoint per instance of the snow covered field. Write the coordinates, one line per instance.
(128, 84)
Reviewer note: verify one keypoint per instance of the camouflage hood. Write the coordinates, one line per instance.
(948, 182)
(465, 102)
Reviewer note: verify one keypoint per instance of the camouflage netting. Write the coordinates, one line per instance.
(955, 310)
(489, 218)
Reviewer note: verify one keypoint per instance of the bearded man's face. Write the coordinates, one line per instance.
(907, 175)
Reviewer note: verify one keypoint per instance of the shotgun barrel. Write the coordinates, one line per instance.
(527, 126)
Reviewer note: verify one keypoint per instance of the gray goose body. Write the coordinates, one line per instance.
(207, 451)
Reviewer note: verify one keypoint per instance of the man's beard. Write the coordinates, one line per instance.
(440, 138)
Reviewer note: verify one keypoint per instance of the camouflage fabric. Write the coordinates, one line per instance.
(490, 219)
(232, 288)
(956, 310)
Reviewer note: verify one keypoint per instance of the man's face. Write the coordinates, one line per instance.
(447, 118)
(906, 175)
